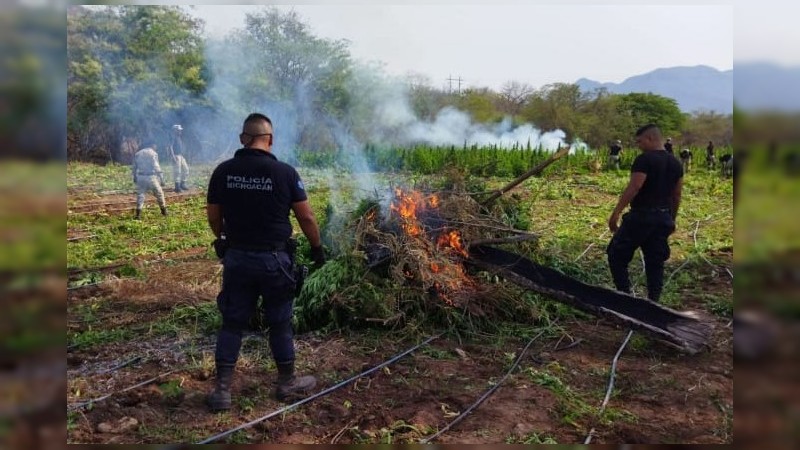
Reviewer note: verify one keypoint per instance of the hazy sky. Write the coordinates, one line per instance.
(488, 45)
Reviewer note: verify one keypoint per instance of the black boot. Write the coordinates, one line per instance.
(138, 214)
(163, 210)
(177, 187)
(291, 386)
(220, 398)
(183, 186)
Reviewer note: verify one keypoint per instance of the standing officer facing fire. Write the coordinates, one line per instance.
(249, 199)
(654, 193)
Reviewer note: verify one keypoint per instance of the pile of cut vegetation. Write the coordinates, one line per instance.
(400, 263)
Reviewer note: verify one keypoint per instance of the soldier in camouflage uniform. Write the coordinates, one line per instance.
(180, 169)
(148, 177)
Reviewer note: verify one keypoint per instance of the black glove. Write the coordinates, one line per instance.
(134, 179)
(318, 255)
(220, 247)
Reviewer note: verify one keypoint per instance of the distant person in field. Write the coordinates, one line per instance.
(614, 153)
(726, 165)
(668, 146)
(148, 177)
(711, 159)
(654, 194)
(686, 159)
(180, 169)
(249, 199)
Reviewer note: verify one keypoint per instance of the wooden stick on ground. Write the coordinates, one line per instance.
(536, 170)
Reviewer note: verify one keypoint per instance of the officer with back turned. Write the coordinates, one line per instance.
(148, 177)
(249, 200)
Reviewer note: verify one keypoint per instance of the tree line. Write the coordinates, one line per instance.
(133, 71)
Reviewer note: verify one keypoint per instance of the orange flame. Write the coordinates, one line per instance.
(406, 208)
(452, 240)
(451, 277)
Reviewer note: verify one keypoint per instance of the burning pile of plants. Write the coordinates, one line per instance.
(400, 262)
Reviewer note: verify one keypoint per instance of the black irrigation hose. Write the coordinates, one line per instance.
(318, 394)
(484, 396)
(568, 346)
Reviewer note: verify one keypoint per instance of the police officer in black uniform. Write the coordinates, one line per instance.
(668, 146)
(614, 153)
(711, 159)
(250, 197)
(654, 193)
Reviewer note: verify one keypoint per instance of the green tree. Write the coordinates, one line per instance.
(425, 100)
(513, 97)
(308, 75)
(600, 121)
(479, 103)
(131, 69)
(702, 127)
(556, 106)
(644, 108)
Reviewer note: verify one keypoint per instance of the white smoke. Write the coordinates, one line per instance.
(396, 124)
(452, 127)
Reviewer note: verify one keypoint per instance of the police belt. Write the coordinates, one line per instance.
(652, 210)
(274, 246)
(146, 174)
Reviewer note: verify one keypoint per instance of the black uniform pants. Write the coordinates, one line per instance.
(648, 230)
(247, 275)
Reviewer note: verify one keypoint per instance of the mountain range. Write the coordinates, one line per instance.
(695, 88)
(758, 86)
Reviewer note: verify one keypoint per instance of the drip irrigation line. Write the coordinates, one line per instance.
(120, 365)
(75, 406)
(610, 382)
(484, 396)
(318, 394)
(568, 346)
(590, 246)
(686, 261)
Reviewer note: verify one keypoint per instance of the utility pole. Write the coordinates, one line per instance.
(450, 79)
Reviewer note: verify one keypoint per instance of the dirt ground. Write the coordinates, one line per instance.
(660, 395)
(149, 383)
(87, 203)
